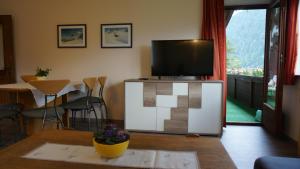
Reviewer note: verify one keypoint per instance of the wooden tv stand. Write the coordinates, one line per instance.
(174, 106)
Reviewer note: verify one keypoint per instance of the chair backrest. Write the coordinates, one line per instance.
(90, 82)
(102, 80)
(9, 110)
(28, 78)
(49, 87)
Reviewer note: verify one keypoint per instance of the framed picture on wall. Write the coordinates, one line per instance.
(71, 36)
(116, 35)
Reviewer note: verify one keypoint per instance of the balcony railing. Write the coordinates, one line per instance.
(246, 89)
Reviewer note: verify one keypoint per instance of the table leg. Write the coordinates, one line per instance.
(66, 114)
(18, 97)
(20, 116)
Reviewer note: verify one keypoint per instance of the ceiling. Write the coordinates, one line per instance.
(245, 2)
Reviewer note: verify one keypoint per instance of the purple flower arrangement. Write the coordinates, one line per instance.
(110, 135)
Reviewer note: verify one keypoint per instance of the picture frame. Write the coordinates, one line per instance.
(116, 35)
(71, 36)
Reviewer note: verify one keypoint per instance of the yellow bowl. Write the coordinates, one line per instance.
(110, 151)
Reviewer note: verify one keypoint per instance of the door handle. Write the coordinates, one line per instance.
(281, 60)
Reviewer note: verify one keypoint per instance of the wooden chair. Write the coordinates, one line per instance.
(11, 111)
(28, 78)
(83, 104)
(100, 100)
(50, 88)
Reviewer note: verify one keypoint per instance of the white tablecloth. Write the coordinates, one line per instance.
(39, 97)
(136, 158)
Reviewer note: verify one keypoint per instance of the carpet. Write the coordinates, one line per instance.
(239, 112)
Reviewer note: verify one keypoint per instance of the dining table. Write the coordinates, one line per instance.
(30, 97)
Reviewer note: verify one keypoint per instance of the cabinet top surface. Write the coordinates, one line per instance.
(172, 81)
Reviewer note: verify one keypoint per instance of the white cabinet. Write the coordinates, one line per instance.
(180, 89)
(207, 119)
(136, 115)
(166, 101)
(162, 115)
(173, 110)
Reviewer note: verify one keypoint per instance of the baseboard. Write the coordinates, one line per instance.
(119, 123)
(244, 124)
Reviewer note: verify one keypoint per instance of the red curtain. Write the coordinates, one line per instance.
(291, 42)
(213, 28)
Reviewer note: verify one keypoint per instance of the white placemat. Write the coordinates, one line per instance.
(131, 158)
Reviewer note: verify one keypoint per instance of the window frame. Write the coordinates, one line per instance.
(297, 65)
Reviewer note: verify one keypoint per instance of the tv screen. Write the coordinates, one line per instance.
(182, 57)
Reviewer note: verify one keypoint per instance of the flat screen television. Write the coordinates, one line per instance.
(182, 58)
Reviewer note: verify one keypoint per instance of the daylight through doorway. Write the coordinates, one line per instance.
(245, 38)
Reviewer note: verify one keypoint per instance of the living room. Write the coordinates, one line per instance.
(35, 32)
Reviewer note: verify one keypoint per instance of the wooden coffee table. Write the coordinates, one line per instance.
(210, 151)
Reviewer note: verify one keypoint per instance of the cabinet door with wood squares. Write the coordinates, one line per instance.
(174, 107)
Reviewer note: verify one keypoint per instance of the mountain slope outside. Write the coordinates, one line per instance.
(246, 41)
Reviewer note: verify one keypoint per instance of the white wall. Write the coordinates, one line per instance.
(291, 109)
(35, 36)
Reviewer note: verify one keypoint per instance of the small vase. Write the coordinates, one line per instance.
(41, 77)
(110, 151)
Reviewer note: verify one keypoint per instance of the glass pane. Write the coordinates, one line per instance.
(245, 42)
(1, 48)
(273, 55)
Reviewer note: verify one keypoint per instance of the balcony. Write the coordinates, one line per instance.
(245, 97)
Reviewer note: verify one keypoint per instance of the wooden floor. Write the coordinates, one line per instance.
(246, 143)
(243, 143)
